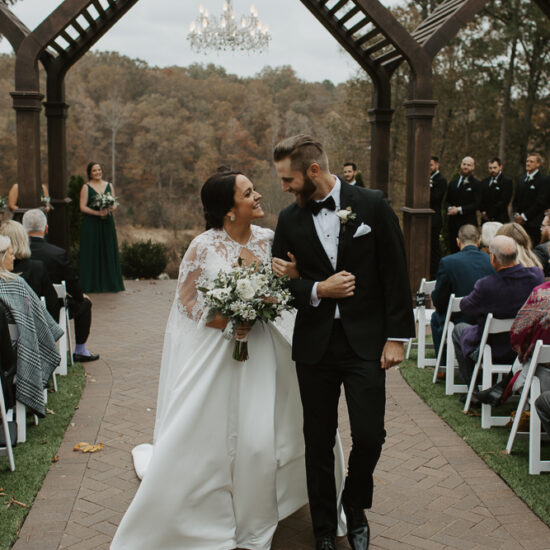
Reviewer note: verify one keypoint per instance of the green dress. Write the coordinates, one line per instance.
(99, 260)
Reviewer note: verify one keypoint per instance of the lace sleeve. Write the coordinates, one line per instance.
(190, 274)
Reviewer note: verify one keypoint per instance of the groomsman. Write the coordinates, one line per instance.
(462, 201)
(496, 194)
(438, 186)
(350, 174)
(532, 197)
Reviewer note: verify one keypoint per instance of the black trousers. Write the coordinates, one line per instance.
(81, 312)
(364, 386)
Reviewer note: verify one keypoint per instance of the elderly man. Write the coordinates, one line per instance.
(59, 269)
(457, 275)
(501, 294)
(462, 201)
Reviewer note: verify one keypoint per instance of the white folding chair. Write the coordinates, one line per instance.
(541, 354)
(6, 449)
(450, 386)
(422, 317)
(485, 361)
(43, 300)
(65, 342)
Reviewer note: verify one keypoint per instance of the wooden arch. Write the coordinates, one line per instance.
(364, 28)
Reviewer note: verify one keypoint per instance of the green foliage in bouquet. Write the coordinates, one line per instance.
(143, 259)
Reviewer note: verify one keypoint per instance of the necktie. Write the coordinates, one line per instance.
(493, 181)
(459, 182)
(316, 207)
(528, 178)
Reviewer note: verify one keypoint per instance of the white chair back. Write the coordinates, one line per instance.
(65, 342)
(422, 317)
(541, 354)
(7, 448)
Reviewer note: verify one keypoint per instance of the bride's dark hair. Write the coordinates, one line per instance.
(218, 197)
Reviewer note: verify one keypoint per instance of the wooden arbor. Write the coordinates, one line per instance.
(58, 42)
(365, 28)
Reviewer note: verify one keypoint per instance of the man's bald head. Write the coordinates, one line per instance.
(504, 250)
(467, 166)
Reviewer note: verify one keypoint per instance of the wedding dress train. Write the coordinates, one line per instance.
(228, 457)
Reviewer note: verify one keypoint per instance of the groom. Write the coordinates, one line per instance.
(354, 311)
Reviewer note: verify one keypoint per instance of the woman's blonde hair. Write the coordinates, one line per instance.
(18, 237)
(5, 243)
(526, 256)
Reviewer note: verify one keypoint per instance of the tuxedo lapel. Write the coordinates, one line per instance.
(312, 237)
(348, 229)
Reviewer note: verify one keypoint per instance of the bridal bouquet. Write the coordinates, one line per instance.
(3, 203)
(244, 295)
(104, 200)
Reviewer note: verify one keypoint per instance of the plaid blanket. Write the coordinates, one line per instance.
(37, 355)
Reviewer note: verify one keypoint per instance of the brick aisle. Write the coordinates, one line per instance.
(432, 491)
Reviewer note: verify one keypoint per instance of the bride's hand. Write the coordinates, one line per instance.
(282, 267)
(241, 331)
(218, 322)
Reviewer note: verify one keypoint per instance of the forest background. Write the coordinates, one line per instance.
(160, 132)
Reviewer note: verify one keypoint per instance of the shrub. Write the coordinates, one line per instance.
(143, 259)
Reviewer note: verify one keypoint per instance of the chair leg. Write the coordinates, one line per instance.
(21, 420)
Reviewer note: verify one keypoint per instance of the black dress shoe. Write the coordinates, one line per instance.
(77, 358)
(358, 528)
(325, 543)
(490, 396)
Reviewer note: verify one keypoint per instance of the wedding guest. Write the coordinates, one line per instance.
(99, 262)
(488, 232)
(462, 201)
(496, 194)
(13, 197)
(37, 355)
(531, 199)
(526, 256)
(33, 271)
(438, 187)
(542, 250)
(59, 269)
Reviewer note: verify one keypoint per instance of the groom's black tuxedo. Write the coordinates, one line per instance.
(381, 305)
(333, 352)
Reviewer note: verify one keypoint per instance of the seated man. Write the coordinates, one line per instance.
(501, 294)
(59, 269)
(457, 275)
(542, 250)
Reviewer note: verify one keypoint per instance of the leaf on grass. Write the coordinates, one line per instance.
(49, 411)
(13, 501)
(55, 458)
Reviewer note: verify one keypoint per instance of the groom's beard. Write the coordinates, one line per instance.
(303, 197)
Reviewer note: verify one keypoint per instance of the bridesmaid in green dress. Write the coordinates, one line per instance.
(99, 259)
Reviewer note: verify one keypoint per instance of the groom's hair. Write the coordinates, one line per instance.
(303, 151)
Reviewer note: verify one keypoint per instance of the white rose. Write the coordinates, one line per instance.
(245, 290)
(343, 215)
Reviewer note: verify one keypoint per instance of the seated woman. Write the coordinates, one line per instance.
(33, 271)
(37, 355)
(526, 256)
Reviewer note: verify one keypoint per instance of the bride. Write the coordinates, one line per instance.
(228, 456)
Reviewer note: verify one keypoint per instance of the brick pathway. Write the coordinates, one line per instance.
(432, 491)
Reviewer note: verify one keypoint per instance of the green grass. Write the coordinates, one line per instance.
(33, 458)
(488, 444)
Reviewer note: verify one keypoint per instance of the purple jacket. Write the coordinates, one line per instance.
(501, 294)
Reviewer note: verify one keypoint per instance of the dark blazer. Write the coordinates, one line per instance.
(34, 272)
(381, 306)
(543, 253)
(438, 188)
(501, 294)
(496, 198)
(467, 196)
(457, 274)
(532, 198)
(57, 264)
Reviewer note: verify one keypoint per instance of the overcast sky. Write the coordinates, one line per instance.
(156, 31)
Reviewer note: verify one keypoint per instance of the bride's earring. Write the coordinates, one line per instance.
(232, 217)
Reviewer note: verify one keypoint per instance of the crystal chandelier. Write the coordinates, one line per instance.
(209, 32)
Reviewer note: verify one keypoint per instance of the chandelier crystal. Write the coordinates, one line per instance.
(223, 33)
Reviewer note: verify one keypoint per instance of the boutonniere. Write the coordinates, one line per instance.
(345, 215)
(466, 180)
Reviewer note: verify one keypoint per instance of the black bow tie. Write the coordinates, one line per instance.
(316, 207)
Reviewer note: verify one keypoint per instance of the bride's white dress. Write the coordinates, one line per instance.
(228, 456)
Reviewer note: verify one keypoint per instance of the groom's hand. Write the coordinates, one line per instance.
(392, 354)
(339, 285)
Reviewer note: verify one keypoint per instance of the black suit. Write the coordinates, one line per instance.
(467, 196)
(531, 199)
(331, 352)
(495, 198)
(59, 269)
(438, 187)
(34, 272)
